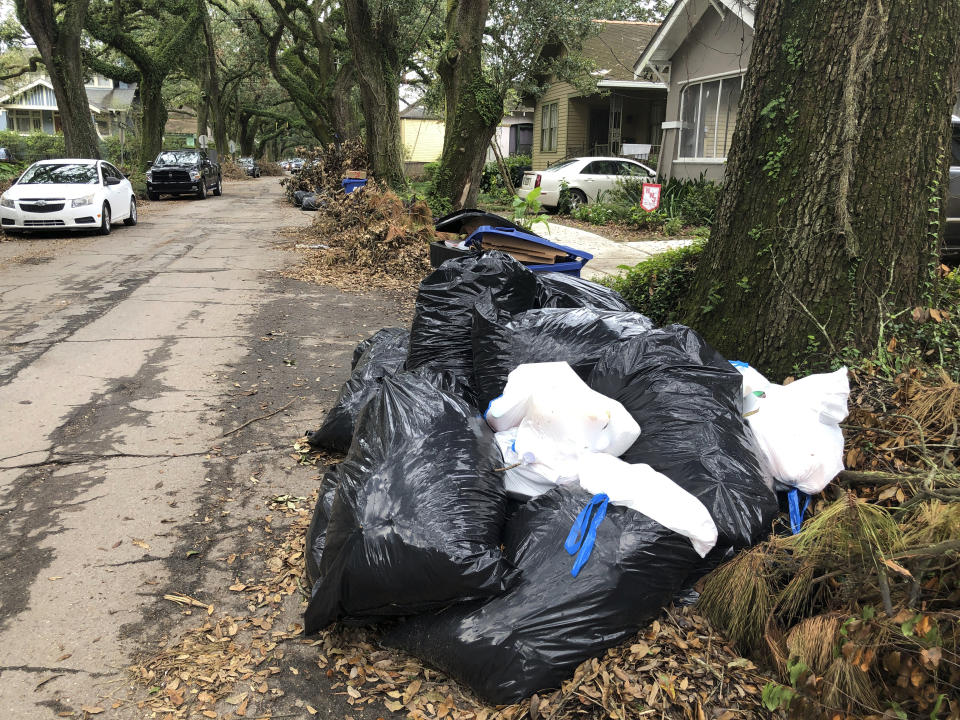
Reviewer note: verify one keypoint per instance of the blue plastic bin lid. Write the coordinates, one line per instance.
(529, 237)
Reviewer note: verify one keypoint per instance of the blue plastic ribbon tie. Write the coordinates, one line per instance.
(796, 513)
(583, 534)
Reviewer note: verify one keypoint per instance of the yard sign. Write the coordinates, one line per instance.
(651, 197)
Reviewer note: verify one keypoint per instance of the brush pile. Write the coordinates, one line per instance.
(232, 171)
(369, 238)
(324, 168)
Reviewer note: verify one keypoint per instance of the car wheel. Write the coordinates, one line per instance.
(132, 218)
(576, 199)
(105, 220)
(202, 189)
(218, 190)
(153, 195)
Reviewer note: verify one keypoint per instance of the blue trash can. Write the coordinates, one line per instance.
(571, 264)
(349, 184)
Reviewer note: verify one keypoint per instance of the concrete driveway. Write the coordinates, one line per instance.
(125, 363)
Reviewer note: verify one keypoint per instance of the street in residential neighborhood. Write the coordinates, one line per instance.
(128, 361)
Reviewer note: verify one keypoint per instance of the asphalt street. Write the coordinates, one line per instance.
(126, 362)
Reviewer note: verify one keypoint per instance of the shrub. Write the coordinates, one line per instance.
(430, 170)
(602, 213)
(492, 180)
(656, 286)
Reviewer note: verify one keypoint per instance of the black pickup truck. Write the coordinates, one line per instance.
(181, 172)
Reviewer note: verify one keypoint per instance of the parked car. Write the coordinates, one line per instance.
(951, 233)
(180, 172)
(296, 165)
(250, 165)
(585, 178)
(69, 194)
(7, 156)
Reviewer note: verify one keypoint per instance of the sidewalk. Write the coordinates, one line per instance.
(608, 255)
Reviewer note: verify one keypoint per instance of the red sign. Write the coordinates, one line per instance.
(650, 200)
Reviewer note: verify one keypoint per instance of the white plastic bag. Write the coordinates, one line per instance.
(558, 416)
(797, 426)
(522, 477)
(643, 489)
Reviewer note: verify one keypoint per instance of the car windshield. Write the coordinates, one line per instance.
(177, 158)
(54, 174)
(246, 161)
(955, 144)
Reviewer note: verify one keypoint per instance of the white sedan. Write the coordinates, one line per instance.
(70, 195)
(585, 178)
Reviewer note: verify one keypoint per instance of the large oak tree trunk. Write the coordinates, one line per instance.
(835, 182)
(153, 118)
(212, 78)
(59, 46)
(474, 108)
(377, 63)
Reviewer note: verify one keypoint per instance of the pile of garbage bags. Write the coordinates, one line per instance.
(534, 471)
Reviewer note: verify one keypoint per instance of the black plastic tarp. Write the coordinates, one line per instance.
(687, 400)
(532, 637)
(467, 220)
(567, 291)
(443, 318)
(418, 513)
(382, 355)
(578, 336)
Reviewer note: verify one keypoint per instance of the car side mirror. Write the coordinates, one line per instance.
(110, 180)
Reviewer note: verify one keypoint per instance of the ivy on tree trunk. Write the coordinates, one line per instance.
(55, 28)
(835, 183)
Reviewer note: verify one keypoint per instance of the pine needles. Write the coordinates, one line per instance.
(854, 609)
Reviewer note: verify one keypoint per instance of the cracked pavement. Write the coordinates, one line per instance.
(126, 364)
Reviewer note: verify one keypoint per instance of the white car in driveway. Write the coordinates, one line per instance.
(70, 195)
(585, 177)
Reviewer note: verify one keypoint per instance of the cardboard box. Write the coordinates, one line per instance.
(356, 175)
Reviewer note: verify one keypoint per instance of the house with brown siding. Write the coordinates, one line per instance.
(623, 116)
(701, 52)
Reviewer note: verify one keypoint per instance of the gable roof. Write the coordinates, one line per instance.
(99, 99)
(615, 48)
(682, 18)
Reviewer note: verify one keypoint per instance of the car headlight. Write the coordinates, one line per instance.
(7, 202)
(149, 175)
(81, 201)
(194, 174)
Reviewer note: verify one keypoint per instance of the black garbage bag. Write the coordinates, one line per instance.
(383, 356)
(687, 400)
(578, 336)
(419, 511)
(299, 195)
(566, 291)
(378, 337)
(312, 202)
(532, 637)
(440, 334)
(317, 533)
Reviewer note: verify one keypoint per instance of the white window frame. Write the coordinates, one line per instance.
(551, 130)
(701, 81)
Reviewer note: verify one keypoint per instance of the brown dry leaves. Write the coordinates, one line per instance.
(230, 659)
(677, 668)
(372, 239)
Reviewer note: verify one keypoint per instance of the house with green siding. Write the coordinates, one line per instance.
(622, 117)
